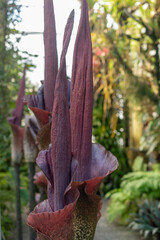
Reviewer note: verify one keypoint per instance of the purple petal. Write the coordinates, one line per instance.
(82, 96)
(60, 130)
(103, 163)
(51, 60)
(44, 162)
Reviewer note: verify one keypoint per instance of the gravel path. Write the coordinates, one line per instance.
(108, 231)
(104, 231)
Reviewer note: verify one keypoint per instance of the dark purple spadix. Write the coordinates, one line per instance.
(51, 60)
(82, 97)
(18, 110)
(60, 130)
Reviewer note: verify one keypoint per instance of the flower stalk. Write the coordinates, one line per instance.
(17, 149)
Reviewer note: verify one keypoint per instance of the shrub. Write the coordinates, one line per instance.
(147, 220)
(7, 197)
(134, 187)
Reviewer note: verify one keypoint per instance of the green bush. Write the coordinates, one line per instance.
(7, 197)
(134, 188)
(7, 200)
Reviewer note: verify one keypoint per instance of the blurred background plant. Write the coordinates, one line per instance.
(147, 220)
(11, 67)
(134, 188)
(126, 117)
(150, 141)
(12, 61)
(7, 200)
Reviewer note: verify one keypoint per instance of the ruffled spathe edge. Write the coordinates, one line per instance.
(53, 225)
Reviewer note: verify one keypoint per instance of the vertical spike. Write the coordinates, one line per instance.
(51, 59)
(82, 96)
(60, 131)
(18, 111)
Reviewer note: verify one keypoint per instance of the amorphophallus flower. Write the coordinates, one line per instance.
(17, 148)
(73, 165)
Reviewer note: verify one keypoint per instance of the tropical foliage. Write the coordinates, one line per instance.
(11, 67)
(134, 188)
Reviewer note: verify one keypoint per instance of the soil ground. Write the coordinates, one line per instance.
(104, 230)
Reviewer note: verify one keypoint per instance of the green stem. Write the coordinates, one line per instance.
(32, 203)
(18, 202)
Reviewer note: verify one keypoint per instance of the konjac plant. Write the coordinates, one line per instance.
(17, 148)
(73, 166)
